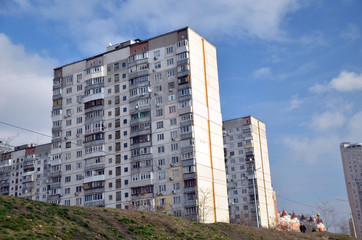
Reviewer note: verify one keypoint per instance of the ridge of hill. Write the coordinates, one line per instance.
(26, 219)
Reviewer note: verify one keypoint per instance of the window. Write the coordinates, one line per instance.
(156, 53)
(79, 177)
(177, 200)
(161, 149)
(78, 165)
(173, 134)
(169, 61)
(67, 179)
(161, 162)
(79, 87)
(170, 73)
(159, 100)
(67, 191)
(175, 173)
(173, 121)
(160, 137)
(158, 77)
(159, 112)
(66, 202)
(176, 186)
(162, 188)
(174, 147)
(79, 154)
(79, 77)
(79, 120)
(68, 144)
(157, 65)
(169, 50)
(68, 100)
(171, 98)
(172, 109)
(69, 90)
(162, 175)
(159, 124)
(68, 167)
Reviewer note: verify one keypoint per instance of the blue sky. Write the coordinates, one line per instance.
(296, 65)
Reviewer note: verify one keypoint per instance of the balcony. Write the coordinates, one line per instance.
(143, 95)
(141, 145)
(141, 183)
(55, 174)
(94, 97)
(189, 189)
(139, 108)
(139, 120)
(141, 84)
(142, 132)
(190, 203)
(185, 136)
(99, 203)
(137, 62)
(94, 166)
(188, 176)
(139, 74)
(94, 178)
(188, 162)
(94, 191)
(142, 196)
(142, 157)
(182, 46)
(95, 85)
(55, 185)
(185, 110)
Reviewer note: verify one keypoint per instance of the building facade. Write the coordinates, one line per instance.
(250, 191)
(351, 159)
(140, 126)
(24, 172)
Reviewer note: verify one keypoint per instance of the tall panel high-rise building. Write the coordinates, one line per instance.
(249, 185)
(352, 166)
(140, 126)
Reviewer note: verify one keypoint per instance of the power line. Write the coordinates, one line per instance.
(25, 129)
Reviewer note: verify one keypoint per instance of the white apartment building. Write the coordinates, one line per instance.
(140, 126)
(250, 190)
(351, 159)
(23, 172)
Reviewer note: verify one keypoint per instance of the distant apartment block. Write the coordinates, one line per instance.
(351, 159)
(140, 126)
(24, 172)
(250, 190)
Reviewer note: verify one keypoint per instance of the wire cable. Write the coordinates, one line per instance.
(25, 129)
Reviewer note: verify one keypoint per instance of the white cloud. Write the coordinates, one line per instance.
(345, 82)
(318, 88)
(295, 102)
(264, 72)
(314, 40)
(312, 150)
(118, 20)
(351, 32)
(355, 128)
(328, 120)
(25, 91)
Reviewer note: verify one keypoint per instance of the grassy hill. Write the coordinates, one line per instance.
(26, 219)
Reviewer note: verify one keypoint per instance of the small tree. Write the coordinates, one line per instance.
(328, 213)
(203, 208)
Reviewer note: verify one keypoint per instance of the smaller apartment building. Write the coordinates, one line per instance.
(250, 191)
(351, 159)
(24, 172)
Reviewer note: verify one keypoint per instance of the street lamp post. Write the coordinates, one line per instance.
(354, 228)
(255, 202)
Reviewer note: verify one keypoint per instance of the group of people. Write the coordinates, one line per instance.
(303, 228)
